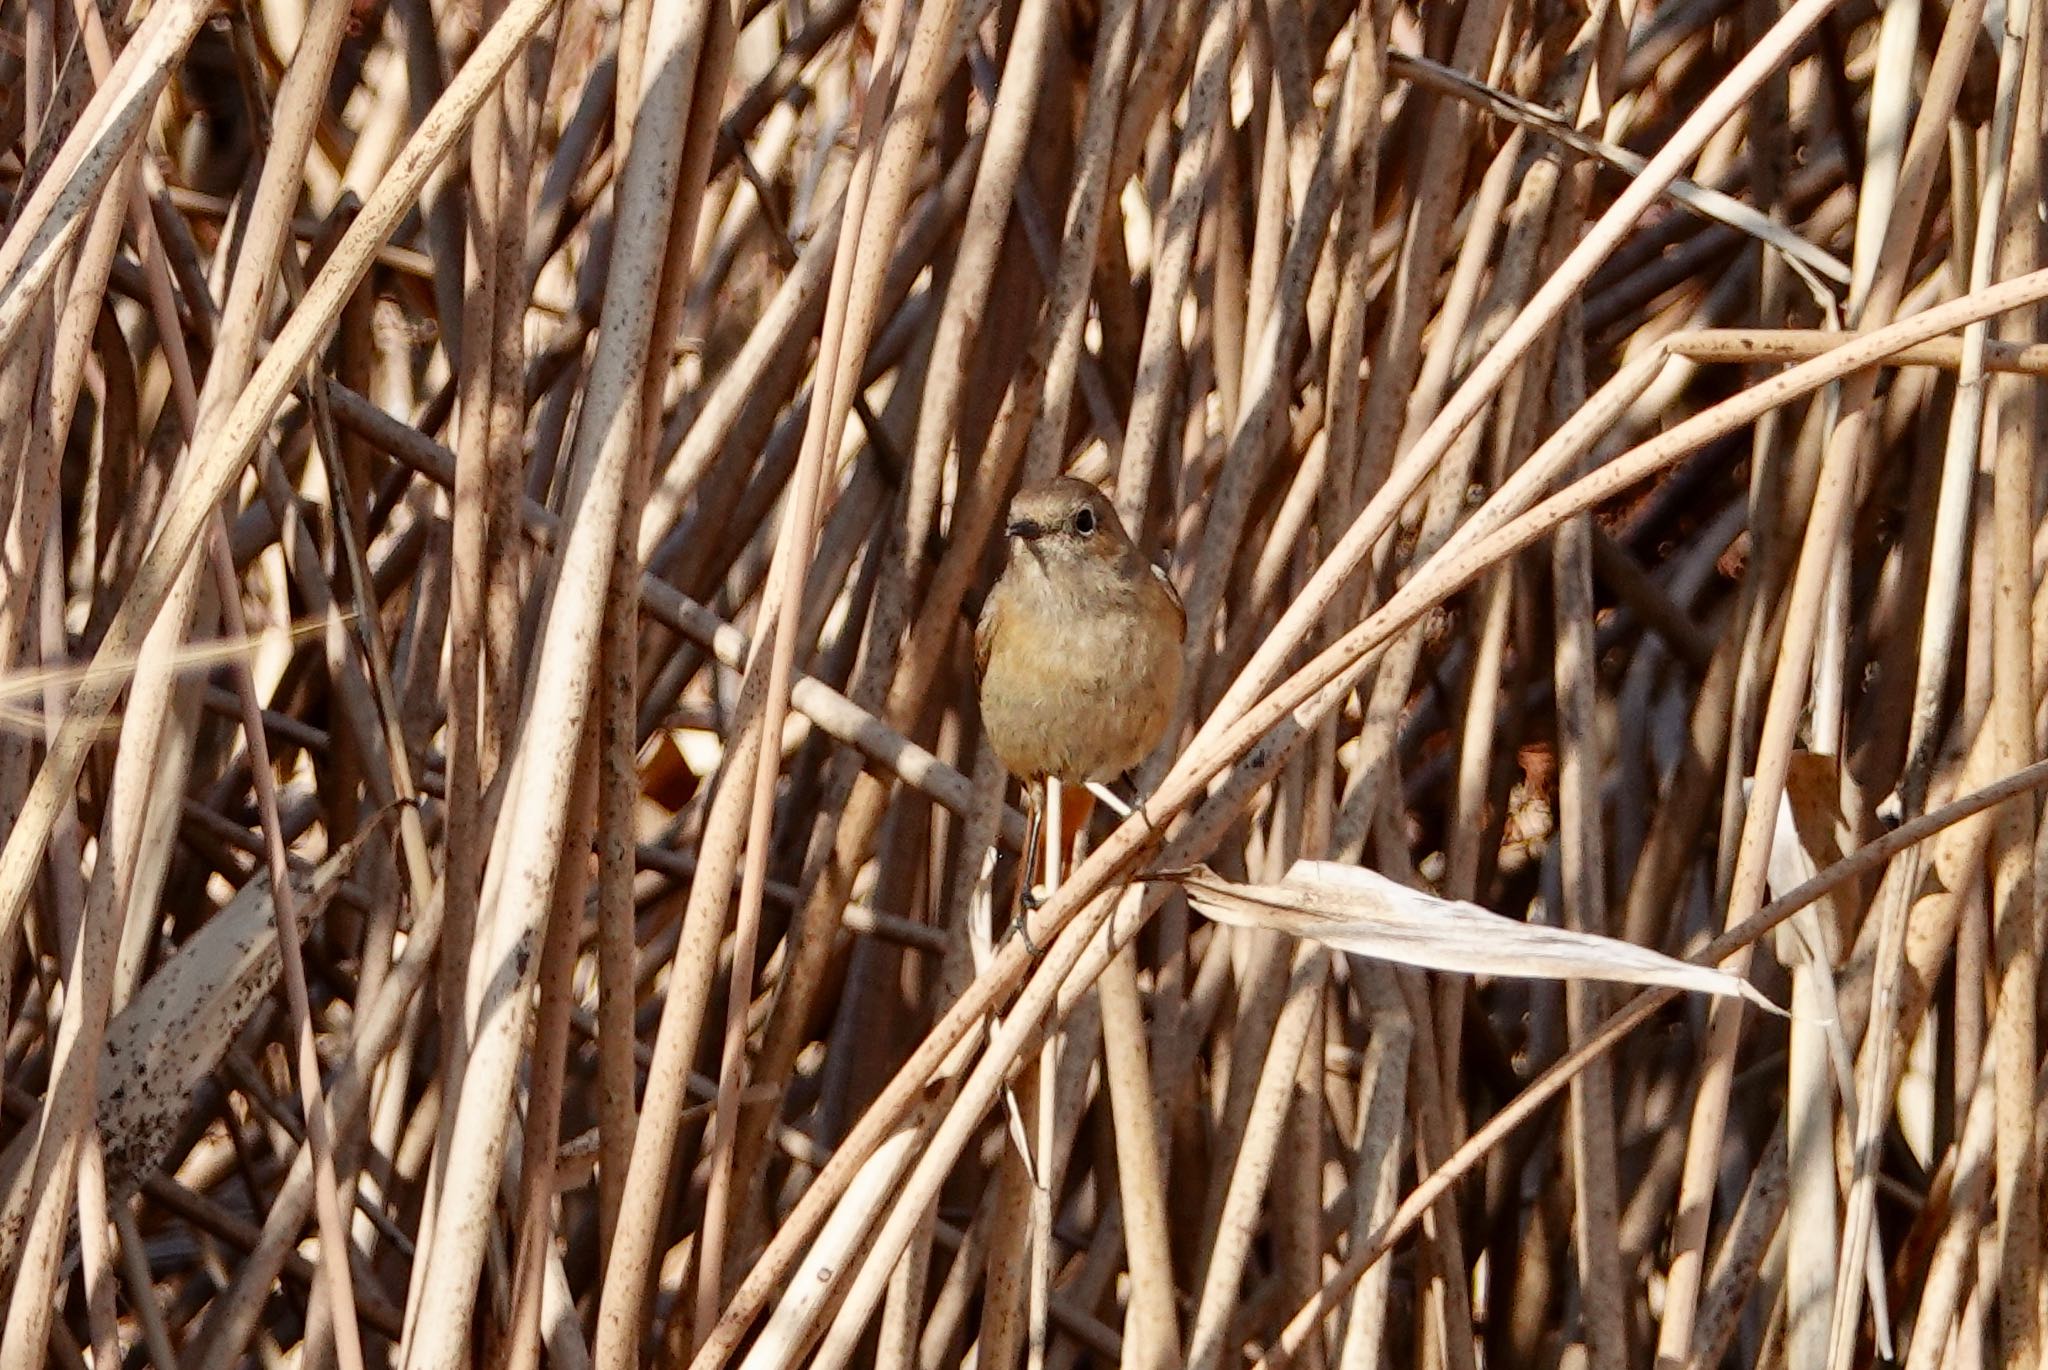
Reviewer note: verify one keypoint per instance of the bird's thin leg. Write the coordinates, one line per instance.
(1034, 833)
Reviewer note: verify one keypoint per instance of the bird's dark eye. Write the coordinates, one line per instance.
(1084, 522)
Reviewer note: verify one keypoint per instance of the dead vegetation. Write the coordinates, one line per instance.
(500, 490)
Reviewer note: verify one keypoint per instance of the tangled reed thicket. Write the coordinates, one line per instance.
(499, 491)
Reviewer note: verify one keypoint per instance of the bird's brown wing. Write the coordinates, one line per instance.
(1172, 597)
(985, 629)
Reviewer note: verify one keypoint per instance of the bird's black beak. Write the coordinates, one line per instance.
(1024, 528)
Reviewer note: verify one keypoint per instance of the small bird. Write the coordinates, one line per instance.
(1079, 644)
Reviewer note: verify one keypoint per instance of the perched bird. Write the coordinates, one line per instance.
(1079, 644)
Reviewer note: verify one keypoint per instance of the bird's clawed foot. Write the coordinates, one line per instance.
(1122, 808)
(1111, 800)
(1021, 924)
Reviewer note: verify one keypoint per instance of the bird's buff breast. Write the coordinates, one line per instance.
(1081, 701)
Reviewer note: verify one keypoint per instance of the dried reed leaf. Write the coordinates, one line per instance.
(172, 1035)
(192, 656)
(1349, 908)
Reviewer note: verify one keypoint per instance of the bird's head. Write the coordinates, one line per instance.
(1066, 520)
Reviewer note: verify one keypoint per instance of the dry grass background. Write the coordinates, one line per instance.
(500, 489)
